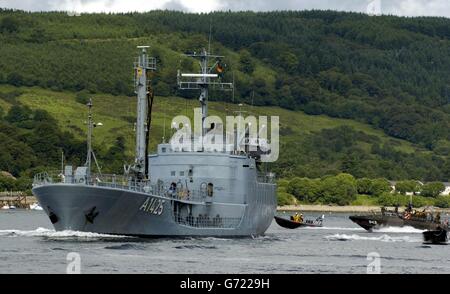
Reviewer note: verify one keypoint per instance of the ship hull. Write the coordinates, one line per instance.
(122, 212)
(378, 221)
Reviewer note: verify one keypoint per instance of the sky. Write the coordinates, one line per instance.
(395, 7)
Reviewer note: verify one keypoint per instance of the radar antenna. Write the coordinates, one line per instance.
(209, 76)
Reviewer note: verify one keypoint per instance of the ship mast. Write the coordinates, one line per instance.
(89, 140)
(143, 66)
(90, 150)
(203, 80)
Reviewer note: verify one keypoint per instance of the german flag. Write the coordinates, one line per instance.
(220, 69)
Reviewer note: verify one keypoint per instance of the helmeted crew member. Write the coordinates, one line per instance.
(409, 208)
(438, 217)
(407, 215)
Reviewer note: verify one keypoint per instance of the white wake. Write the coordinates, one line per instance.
(335, 229)
(382, 238)
(43, 232)
(401, 230)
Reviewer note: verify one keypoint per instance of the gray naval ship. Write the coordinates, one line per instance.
(173, 193)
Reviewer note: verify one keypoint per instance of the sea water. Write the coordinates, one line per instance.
(28, 244)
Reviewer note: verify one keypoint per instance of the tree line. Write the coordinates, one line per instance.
(343, 189)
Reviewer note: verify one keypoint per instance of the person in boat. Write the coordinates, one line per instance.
(296, 218)
(407, 214)
(409, 208)
(300, 218)
(438, 218)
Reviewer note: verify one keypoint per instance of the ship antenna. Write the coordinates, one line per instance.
(89, 139)
(164, 127)
(253, 98)
(210, 34)
(202, 81)
(62, 161)
(234, 89)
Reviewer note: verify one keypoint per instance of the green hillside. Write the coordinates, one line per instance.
(386, 71)
(312, 145)
(369, 96)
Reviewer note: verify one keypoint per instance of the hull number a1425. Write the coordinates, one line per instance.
(153, 205)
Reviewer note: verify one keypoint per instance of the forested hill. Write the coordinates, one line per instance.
(389, 72)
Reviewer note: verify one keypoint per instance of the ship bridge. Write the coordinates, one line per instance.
(224, 176)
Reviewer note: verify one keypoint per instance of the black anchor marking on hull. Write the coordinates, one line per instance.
(91, 214)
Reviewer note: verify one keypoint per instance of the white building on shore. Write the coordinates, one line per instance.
(447, 189)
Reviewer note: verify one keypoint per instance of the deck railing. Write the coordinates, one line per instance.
(123, 183)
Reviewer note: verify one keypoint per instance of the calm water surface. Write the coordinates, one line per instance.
(28, 244)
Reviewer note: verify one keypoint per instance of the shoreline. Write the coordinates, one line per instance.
(316, 208)
(344, 209)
